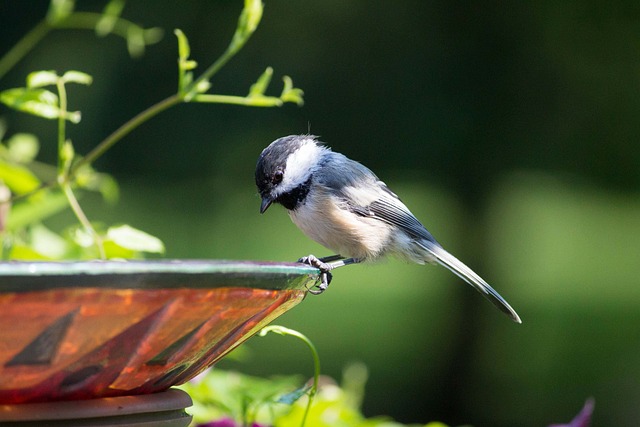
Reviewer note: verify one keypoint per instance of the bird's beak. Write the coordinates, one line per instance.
(266, 202)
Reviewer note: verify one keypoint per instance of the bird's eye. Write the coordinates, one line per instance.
(277, 177)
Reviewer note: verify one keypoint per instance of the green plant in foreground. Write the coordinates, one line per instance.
(230, 399)
(32, 191)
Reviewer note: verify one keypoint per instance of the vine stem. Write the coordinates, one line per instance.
(314, 354)
(124, 130)
(23, 47)
(62, 123)
(79, 213)
(63, 171)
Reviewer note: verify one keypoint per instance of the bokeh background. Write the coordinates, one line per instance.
(510, 129)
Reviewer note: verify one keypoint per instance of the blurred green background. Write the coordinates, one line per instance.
(510, 130)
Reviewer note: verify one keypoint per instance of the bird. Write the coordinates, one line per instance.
(344, 206)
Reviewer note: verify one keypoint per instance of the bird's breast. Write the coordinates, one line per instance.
(350, 235)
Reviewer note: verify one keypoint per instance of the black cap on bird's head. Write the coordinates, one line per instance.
(284, 167)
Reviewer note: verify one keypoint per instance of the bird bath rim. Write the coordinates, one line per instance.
(23, 276)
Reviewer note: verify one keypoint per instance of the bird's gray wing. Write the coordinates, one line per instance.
(390, 209)
(342, 173)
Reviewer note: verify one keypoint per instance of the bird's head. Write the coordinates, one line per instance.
(285, 169)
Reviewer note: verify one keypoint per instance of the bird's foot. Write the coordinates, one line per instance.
(324, 267)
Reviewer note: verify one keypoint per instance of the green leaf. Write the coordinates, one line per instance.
(251, 15)
(59, 10)
(39, 102)
(203, 86)
(291, 94)
(185, 65)
(18, 178)
(5, 208)
(72, 116)
(294, 396)
(220, 393)
(67, 153)
(131, 238)
(112, 250)
(152, 35)
(135, 41)
(86, 177)
(247, 24)
(23, 147)
(82, 237)
(261, 85)
(41, 79)
(109, 17)
(35, 209)
(189, 65)
(184, 50)
(36, 101)
(77, 77)
(47, 243)
(24, 252)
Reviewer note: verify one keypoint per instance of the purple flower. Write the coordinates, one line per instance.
(224, 422)
(227, 422)
(583, 419)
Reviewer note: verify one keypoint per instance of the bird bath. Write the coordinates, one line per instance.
(72, 331)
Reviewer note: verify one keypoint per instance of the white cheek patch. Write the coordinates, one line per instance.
(301, 164)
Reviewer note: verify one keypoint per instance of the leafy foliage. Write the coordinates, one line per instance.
(230, 399)
(32, 191)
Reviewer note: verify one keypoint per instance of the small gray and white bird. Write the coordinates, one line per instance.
(342, 205)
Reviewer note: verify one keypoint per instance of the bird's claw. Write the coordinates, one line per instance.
(325, 272)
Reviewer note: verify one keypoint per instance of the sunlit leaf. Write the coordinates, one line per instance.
(152, 35)
(5, 206)
(134, 239)
(247, 23)
(291, 94)
(135, 41)
(261, 85)
(82, 237)
(66, 154)
(35, 209)
(59, 9)
(18, 178)
(77, 77)
(73, 116)
(86, 177)
(113, 250)
(222, 394)
(189, 65)
(252, 14)
(24, 252)
(203, 86)
(109, 17)
(46, 242)
(184, 63)
(41, 79)
(39, 102)
(183, 45)
(23, 147)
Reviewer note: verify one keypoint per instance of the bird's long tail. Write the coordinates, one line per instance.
(457, 267)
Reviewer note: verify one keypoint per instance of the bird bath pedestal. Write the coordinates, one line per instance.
(102, 343)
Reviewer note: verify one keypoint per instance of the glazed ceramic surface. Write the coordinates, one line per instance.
(82, 330)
